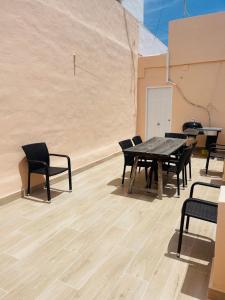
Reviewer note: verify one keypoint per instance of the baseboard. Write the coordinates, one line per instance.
(215, 294)
(20, 194)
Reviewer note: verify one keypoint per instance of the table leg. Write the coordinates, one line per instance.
(160, 180)
(133, 174)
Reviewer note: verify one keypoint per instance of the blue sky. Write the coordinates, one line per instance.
(159, 12)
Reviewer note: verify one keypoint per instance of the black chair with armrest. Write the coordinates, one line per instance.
(137, 140)
(38, 159)
(129, 159)
(188, 161)
(197, 208)
(215, 151)
(176, 135)
(177, 166)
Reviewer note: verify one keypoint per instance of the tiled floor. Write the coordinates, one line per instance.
(98, 242)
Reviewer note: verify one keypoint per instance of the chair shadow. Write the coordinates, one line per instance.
(169, 188)
(35, 178)
(40, 195)
(211, 173)
(200, 251)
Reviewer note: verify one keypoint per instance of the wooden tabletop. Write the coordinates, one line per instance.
(157, 147)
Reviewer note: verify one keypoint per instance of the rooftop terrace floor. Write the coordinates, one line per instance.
(99, 242)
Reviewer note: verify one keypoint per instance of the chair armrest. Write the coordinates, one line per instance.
(60, 155)
(202, 184)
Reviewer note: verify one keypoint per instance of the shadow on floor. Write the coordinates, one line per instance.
(197, 251)
(169, 189)
(40, 195)
(211, 173)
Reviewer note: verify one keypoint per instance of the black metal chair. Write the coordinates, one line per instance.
(188, 161)
(196, 208)
(129, 159)
(38, 159)
(215, 151)
(177, 166)
(175, 135)
(137, 140)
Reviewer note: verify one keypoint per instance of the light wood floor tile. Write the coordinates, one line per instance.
(129, 288)
(58, 291)
(95, 255)
(99, 242)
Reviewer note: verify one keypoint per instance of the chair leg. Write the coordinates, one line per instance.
(180, 235)
(178, 185)
(146, 174)
(156, 171)
(131, 171)
(168, 168)
(150, 177)
(124, 170)
(190, 169)
(183, 178)
(48, 188)
(70, 179)
(28, 184)
(207, 164)
(185, 173)
(187, 223)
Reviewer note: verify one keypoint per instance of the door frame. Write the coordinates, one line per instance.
(146, 104)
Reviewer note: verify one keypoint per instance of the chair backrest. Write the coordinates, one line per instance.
(37, 151)
(126, 144)
(137, 140)
(185, 155)
(129, 159)
(175, 135)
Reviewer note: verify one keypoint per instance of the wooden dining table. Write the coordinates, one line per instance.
(158, 149)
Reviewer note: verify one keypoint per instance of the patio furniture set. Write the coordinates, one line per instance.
(157, 154)
(172, 154)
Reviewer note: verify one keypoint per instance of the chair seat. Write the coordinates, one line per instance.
(201, 209)
(51, 170)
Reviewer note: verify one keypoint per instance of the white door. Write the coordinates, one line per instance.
(159, 111)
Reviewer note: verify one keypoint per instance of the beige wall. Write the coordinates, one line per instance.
(197, 66)
(84, 115)
(151, 72)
